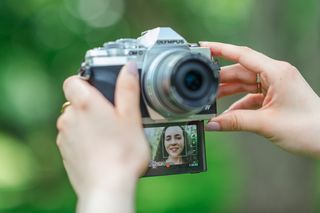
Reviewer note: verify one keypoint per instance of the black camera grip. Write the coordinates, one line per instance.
(104, 78)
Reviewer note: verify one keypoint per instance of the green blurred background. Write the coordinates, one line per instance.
(43, 41)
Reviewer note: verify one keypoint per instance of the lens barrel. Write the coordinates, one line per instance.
(180, 83)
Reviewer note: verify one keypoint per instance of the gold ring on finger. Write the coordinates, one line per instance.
(64, 106)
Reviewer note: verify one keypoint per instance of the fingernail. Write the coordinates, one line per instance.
(213, 126)
(132, 68)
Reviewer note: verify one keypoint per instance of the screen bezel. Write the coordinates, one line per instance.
(182, 169)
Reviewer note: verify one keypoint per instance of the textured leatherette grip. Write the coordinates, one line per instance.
(105, 79)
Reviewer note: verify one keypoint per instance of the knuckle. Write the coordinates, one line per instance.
(84, 101)
(131, 87)
(246, 49)
(61, 123)
(284, 64)
(58, 141)
(237, 75)
(234, 122)
(263, 127)
(65, 120)
(67, 82)
(287, 68)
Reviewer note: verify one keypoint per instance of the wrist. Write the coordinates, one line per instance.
(116, 194)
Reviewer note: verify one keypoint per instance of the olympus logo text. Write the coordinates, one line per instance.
(165, 42)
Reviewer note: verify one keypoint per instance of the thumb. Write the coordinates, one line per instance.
(236, 120)
(127, 92)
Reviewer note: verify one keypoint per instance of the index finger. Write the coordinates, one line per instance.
(250, 59)
(82, 95)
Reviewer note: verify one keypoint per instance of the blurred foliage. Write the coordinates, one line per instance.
(44, 41)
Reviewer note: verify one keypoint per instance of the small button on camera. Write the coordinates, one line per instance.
(114, 48)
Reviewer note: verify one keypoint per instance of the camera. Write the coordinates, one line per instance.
(178, 82)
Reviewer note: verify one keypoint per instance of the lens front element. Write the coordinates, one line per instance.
(193, 80)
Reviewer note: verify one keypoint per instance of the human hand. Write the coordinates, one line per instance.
(103, 147)
(287, 112)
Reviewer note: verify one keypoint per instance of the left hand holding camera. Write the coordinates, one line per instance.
(286, 110)
(103, 147)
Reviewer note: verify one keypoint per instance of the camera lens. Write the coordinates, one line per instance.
(193, 80)
(180, 83)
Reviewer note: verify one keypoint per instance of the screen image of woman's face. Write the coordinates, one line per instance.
(174, 141)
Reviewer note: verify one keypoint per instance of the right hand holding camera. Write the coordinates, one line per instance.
(103, 147)
(287, 112)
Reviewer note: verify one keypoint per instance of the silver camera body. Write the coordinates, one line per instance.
(178, 80)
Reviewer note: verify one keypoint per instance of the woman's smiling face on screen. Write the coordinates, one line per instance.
(174, 141)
